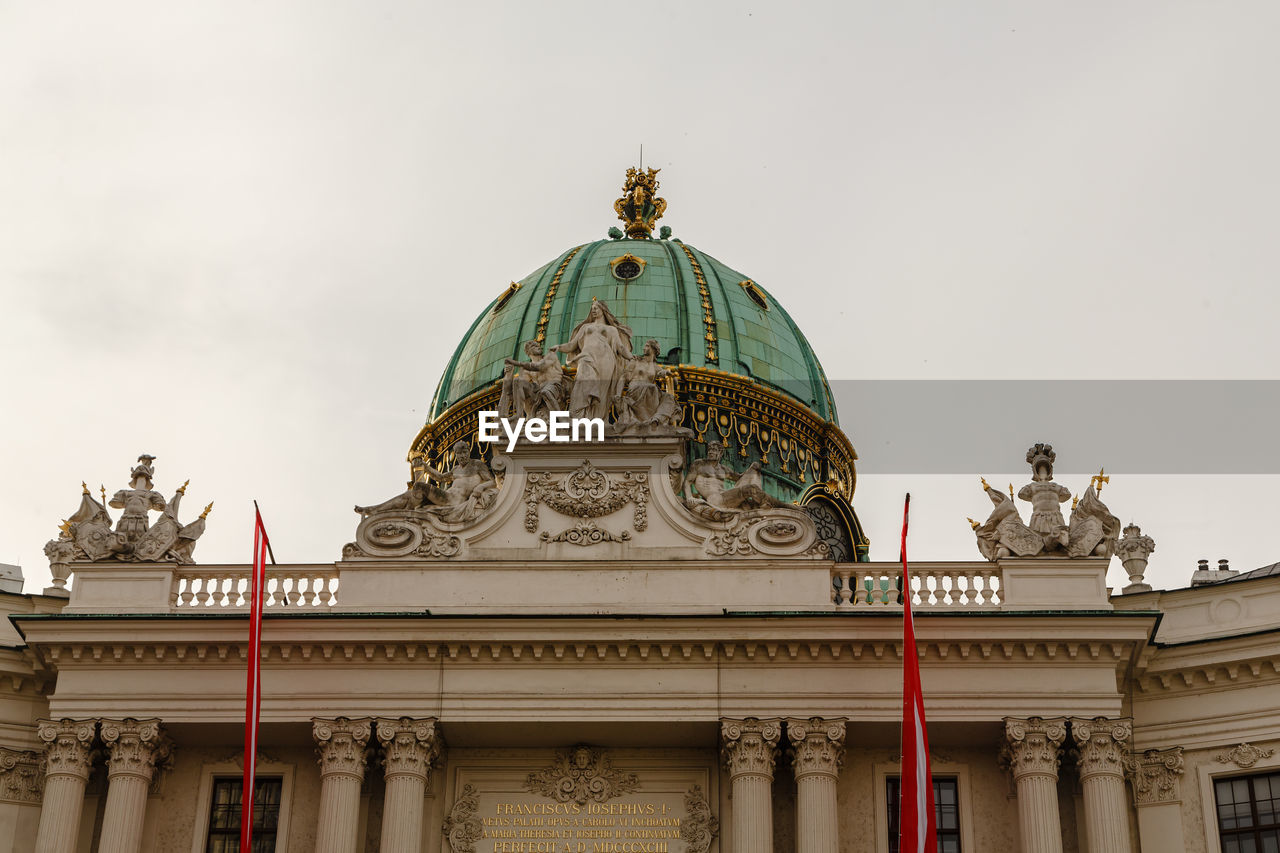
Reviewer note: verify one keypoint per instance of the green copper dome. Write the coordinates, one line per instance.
(701, 312)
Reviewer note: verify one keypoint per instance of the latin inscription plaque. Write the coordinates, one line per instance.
(582, 803)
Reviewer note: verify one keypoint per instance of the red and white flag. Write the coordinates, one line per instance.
(253, 689)
(917, 824)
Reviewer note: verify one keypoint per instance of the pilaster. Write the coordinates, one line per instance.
(750, 750)
(68, 760)
(410, 746)
(341, 748)
(817, 747)
(135, 747)
(1156, 776)
(21, 776)
(1033, 750)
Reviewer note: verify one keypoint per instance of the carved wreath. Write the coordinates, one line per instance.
(581, 774)
(586, 492)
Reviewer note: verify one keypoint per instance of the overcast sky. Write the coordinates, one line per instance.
(246, 237)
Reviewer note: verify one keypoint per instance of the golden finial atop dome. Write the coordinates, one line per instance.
(640, 206)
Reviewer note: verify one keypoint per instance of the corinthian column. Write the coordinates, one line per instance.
(68, 759)
(750, 749)
(409, 747)
(1033, 750)
(136, 747)
(818, 747)
(1102, 745)
(341, 747)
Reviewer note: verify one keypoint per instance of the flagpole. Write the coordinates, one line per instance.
(253, 677)
(917, 832)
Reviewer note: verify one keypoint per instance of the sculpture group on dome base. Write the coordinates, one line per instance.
(727, 511)
(624, 390)
(1092, 531)
(90, 535)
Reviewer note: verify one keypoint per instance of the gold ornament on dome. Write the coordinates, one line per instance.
(640, 206)
(627, 267)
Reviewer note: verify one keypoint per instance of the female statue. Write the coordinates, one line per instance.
(600, 347)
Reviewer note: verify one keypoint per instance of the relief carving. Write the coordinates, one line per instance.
(580, 774)
(585, 533)
(462, 826)
(1244, 755)
(700, 826)
(21, 776)
(587, 492)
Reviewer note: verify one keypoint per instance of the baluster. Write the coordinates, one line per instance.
(987, 592)
(323, 595)
(309, 593)
(997, 583)
(294, 595)
(948, 580)
(202, 594)
(185, 594)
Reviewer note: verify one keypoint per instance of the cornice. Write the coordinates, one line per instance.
(297, 651)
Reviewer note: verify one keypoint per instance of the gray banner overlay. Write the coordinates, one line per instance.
(1128, 426)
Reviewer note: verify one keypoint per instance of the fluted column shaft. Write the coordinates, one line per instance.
(750, 750)
(136, 747)
(1033, 751)
(409, 747)
(1102, 744)
(68, 757)
(341, 746)
(818, 751)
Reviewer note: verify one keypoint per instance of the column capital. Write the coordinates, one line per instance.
(136, 747)
(1156, 775)
(1033, 745)
(750, 746)
(1101, 744)
(21, 775)
(68, 746)
(340, 745)
(409, 745)
(817, 744)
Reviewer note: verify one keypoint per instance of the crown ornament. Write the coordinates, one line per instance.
(640, 206)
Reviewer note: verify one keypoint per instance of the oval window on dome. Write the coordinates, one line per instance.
(755, 293)
(627, 267)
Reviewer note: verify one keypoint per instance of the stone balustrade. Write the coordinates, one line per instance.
(1007, 585)
(227, 587)
(973, 585)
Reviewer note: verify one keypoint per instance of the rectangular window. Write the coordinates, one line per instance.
(946, 799)
(1248, 813)
(224, 814)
